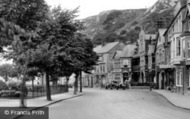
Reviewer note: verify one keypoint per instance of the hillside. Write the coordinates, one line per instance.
(124, 25)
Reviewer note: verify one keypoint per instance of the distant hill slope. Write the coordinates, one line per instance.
(125, 25)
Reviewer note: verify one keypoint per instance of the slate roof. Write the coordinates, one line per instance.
(183, 2)
(105, 48)
(118, 54)
(129, 50)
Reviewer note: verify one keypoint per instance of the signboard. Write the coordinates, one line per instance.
(166, 66)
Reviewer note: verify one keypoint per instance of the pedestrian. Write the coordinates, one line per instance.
(151, 85)
(127, 84)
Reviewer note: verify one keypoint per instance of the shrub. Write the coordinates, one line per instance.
(3, 85)
(14, 85)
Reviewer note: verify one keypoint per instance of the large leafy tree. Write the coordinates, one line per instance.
(20, 19)
(82, 57)
(56, 36)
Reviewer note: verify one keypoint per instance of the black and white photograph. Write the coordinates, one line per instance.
(94, 59)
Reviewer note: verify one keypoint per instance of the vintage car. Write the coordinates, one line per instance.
(112, 85)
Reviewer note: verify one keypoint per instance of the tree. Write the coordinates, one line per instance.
(26, 14)
(7, 70)
(56, 35)
(82, 56)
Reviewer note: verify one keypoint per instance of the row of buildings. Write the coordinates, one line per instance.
(162, 58)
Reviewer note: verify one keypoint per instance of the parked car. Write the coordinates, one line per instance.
(122, 86)
(112, 85)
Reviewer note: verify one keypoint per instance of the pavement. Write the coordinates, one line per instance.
(40, 101)
(176, 99)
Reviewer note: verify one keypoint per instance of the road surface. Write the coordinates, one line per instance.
(117, 104)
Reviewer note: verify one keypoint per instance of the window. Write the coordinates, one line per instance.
(173, 48)
(104, 69)
(117, 76)
(189, 77)
(100, 69)
(125, 63)
(178, 78)
(188, 49)
(178, 46)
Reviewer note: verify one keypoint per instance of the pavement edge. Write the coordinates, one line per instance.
(171, 101)
(57, 101)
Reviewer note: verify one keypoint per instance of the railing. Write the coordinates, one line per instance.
(39, 91)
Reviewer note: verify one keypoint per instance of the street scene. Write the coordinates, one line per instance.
(79, 59)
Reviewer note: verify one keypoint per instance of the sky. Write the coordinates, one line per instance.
(94, 7)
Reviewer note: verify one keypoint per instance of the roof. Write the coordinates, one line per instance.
(129, 50)
(136, 55)
(183, 2)
(118, 54)
(183, 6)
(148, 36)
(151, 49)
(161, 35)
(105, 48)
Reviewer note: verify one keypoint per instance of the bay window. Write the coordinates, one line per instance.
(178, 47)
(188, 49)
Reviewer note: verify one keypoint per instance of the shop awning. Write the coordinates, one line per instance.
(166, 66)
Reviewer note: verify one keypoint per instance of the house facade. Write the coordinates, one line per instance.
(177, 44)
(122, 63)
(102, 72)
(144, 41)
(161, 67)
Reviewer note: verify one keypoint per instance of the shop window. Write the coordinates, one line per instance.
(179, 78)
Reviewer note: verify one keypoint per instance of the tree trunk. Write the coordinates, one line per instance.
(67, 80)
(23, 87)
(81, 81)
(22, 101)
(33, 86)
(48, 90)
(77, 75)
(76, 83)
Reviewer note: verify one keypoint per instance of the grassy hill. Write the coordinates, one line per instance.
(125, 25)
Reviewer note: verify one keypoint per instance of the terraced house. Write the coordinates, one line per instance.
(122, 63)
(178, 40)
(144, 41)
(161, 67)
(102, 72)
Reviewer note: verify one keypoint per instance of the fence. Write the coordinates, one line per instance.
(38, 91)
(32, 92)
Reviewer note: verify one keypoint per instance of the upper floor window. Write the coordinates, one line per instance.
(188, 49)
(178, 46)
(104, 69)
(100, 69)
(173, 48)
(101, 58)
(125, 63)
